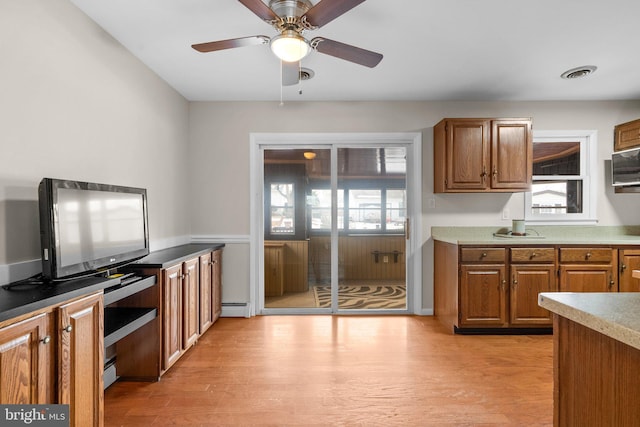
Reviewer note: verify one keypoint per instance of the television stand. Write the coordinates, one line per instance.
(130, 316)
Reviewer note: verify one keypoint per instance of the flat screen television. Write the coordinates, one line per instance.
(87, 228)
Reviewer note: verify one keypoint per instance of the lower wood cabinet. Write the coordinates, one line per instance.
(588, 269)
(488, 287)
(27, 356)
(190, 294)
(81, 360)
(628, 260)
(56, 356)
(485, 288)
(533, 270)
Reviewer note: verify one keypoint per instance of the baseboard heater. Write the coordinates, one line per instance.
(236, 309)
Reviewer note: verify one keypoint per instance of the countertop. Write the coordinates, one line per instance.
(177, 254)
(616, 315)
(31, 295)
(541, 235)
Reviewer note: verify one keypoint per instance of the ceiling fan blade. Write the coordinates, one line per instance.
(290, 73)
(328, 10)
(230, 44)
(346, 52)
(259, 8)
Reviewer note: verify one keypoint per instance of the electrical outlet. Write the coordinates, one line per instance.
(431, 203)
(385, 259)
(505, 213)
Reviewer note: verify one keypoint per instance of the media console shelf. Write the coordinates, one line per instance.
(130, 313)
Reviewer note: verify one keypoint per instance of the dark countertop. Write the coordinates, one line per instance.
(32, 295)
(175, 255)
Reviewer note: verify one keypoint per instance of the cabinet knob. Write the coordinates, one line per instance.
(623, 267)
(484, 254)
(46, 340)
(588, 255)
(69, 328)
(533, 255)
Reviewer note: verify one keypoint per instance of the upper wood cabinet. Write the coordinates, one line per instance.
(482, 155)
(627, 135)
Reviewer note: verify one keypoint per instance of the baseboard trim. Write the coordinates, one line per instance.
(236, 309)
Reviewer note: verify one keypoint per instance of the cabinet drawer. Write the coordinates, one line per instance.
(482, 255)
(601, 255)
(533, 255)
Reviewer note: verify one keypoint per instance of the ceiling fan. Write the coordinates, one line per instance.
(291, 18)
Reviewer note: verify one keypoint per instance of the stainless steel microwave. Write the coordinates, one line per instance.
(625, 167)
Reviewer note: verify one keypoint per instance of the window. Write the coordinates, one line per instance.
(366, 209)
(320, 209)
(563, 173)
(283, 209)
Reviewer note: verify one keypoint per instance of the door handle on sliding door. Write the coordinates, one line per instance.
(406, 228)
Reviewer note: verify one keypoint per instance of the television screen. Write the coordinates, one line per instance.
(87, 227)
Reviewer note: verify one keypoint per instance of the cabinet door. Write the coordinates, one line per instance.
(527, 281)
(629, 261)
(587, 278)
(25, 362)
(467, 154)
(627, 135)
(216, 278)
(483, 299)
(190, 306)
(171, 315)
(511, 154)
(81, 360)
(206, 293)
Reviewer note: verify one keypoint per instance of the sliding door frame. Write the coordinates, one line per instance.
(412, 141)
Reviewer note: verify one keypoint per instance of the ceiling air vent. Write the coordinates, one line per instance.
(578, 72)
(306, 74)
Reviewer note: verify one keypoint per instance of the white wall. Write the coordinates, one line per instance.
(219, 147)
(75, 104)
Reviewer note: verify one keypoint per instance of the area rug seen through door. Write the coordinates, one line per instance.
(363, 296)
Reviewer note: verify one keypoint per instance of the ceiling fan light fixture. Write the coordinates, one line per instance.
(290, 46)
(309, 155)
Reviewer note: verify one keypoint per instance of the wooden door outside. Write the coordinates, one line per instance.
(81, 360)
(483, 299)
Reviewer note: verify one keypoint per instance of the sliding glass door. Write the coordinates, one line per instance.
(335, 236)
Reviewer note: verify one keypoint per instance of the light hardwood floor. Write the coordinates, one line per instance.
(345, 371)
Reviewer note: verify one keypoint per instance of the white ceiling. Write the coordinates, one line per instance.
(433, 49)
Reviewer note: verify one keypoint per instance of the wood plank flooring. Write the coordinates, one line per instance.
(345, 371)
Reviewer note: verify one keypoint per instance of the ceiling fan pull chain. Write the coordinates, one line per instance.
(281, 85)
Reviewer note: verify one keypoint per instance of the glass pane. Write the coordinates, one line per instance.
(365, 207)
(556, 197)
(372, 249)
(556, 158)
(396, 209)
(282, 209)
(319, 204)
